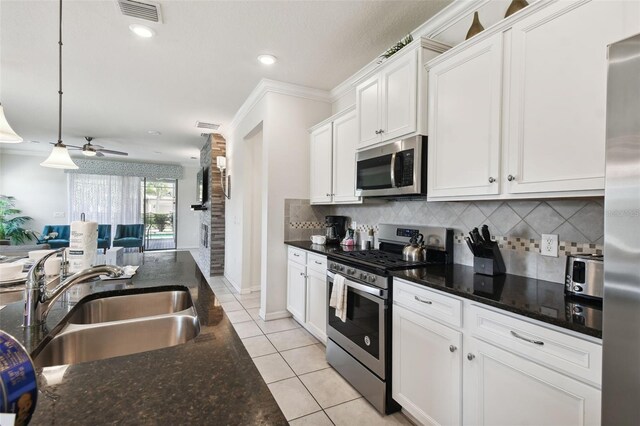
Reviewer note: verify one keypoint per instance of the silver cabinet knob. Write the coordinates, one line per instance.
(381, 131)
(470, 356)
(511, 178)
(328, 195)
(452, 348)
(377, 132)
(491, 179)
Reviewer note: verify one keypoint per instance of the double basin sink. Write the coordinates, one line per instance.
(121, 325)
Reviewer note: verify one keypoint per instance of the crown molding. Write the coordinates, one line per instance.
(272, 86)
(438, 23)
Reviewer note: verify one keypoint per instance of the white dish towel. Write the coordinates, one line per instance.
(338, 298)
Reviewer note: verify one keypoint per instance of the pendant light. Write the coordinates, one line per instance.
(7, 135)
(59, 157)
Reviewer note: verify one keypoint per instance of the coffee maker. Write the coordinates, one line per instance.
(336, 228)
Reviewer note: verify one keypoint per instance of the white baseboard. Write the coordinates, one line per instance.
(255, 288)
(273, 315)
(233, 283)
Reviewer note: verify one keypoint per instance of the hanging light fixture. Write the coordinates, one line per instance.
(7, 135)
(59, 157)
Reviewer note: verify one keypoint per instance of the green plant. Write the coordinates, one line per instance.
(396, 47)
(161, 220)
(10, 223)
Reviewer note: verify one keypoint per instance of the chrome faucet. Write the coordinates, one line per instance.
(38, 300)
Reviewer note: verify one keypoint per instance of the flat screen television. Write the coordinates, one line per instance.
(203, 185)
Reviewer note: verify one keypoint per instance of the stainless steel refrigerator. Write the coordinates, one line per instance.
(621, 324)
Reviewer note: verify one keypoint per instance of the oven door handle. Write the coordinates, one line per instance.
(393, 169)
(378, 292)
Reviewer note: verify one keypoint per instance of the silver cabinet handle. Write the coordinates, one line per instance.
(428, 302)
(296, 254)
(470, 356)
(302, 273)
(328, 195)
(452, 348)
(535, 342)
(381, 131)
(511, 178)
(318, 263)
(491, 179)
(378, 132)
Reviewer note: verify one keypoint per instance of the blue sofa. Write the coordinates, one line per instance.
(60, 240)
(104, 237)
(129, 236)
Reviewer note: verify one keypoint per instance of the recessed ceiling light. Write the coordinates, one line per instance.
(142, 30)
(154, 132)
(267, 59)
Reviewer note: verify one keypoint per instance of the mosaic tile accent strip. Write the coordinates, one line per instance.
(565, 248)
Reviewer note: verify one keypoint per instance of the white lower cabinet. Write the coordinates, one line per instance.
(474, 373)
(505, 389)
(297, 290)
(427, 368)
(317, 304)
(307, 291)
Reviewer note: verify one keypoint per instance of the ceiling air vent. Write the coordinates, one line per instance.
(148, 11)
(207, 126)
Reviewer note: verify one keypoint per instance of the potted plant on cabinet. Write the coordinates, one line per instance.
(11, 224)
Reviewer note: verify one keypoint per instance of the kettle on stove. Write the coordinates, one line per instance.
(415, 250)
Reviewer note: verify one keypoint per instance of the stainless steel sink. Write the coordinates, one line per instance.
(122, 325)
(118, 308)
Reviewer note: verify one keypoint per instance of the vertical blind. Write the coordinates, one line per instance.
(105, 199)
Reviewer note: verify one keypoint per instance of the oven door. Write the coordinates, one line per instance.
(363, 333)
(392, 169)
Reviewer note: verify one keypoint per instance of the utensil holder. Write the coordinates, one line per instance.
(490, 263)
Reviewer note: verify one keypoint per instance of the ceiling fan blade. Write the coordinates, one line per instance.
(68, 146)
(99, 154)
(110, 151)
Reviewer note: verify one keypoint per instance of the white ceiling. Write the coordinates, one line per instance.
(201, 65)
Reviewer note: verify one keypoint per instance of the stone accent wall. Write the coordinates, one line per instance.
(212, 222)
(217, 207)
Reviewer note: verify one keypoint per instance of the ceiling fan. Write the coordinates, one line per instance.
(91, 150)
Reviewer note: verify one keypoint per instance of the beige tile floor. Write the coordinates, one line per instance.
(292, 364)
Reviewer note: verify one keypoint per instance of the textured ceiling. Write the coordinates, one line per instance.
(200, 66)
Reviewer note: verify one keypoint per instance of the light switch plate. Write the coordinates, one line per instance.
(549, 245)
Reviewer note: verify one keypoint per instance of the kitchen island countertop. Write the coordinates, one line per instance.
(208, 380)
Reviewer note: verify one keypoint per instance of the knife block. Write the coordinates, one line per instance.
(491, 263)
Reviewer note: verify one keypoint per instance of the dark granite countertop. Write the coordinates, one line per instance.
(541, 300)
(208, 380)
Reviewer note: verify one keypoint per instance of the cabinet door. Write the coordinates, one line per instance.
(427, 366)
(464, 122)
(345, 138)
(368, 96)
(320, 164)
(399, 94)
(558, 74)
(297, 290)
(504, 389)
(317, 304)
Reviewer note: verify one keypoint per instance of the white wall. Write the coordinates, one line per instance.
(284, 122)
(188, 221)
(39, 191)
(256, 181)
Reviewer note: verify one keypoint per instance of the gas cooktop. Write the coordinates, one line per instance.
(378, 259)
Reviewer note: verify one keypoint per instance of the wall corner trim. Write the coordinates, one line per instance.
(272, 86)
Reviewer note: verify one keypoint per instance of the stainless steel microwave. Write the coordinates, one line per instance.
(396, 169)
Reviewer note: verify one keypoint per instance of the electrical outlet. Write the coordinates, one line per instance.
(549, 245)
(58, 214)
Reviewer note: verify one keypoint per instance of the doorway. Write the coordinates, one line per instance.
(159, 201)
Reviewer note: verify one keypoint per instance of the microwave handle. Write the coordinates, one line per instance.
(393, 169)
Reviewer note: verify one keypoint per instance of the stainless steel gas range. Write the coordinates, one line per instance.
(360, 347)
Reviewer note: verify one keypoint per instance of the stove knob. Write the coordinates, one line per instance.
(364, 277)
(577, 310)
(372, 279)
(577, 288)
(340, 268)
(351, 271)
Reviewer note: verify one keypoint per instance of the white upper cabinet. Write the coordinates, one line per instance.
(558, 72)
(368, 102)
(523, 104)
(464, 122)
(320, 164)
(390, 103)
(345, 134)
(399, 93)
(333, 157)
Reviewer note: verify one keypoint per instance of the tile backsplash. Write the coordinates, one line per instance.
(517, 225)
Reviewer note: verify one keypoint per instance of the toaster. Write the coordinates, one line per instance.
(585, 276)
